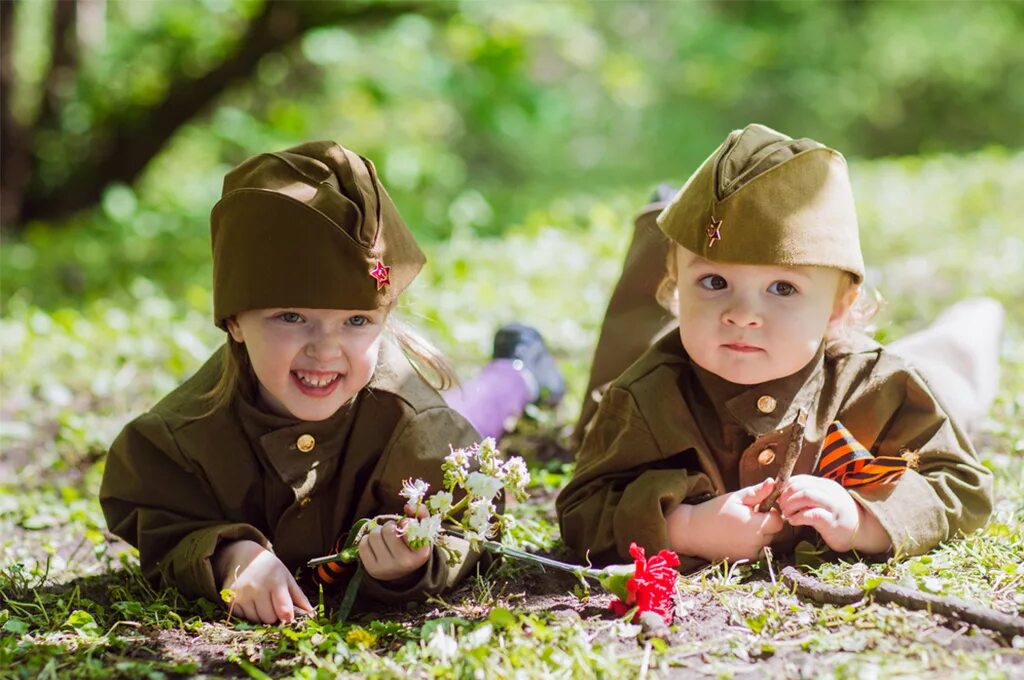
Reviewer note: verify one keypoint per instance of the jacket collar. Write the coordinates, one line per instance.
(767, 406)
(279, 436)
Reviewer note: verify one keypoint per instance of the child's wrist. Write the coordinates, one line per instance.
(870, 536)
(678, 523)
(231, 556)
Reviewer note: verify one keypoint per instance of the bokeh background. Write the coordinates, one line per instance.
(121, 118)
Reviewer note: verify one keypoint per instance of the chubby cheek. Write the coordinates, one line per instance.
(805, 337)
(268, 366)
(368, 357)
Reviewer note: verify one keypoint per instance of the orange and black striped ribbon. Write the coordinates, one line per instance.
(331, 573)
(845, 460)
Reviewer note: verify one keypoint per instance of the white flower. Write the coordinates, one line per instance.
(490, 458)
(480, 636)
(419, 533)
(440, 502)
(478, 516)
(442, 646)
(456, 466)
(483, 486)
(414, 490)
(508, 522)
(517, 477)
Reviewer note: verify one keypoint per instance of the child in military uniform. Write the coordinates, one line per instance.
(311, 415)
(764, 272)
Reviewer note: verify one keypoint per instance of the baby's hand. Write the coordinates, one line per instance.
(385, 554)
(829, 509)
(264, 591)
(726, 527)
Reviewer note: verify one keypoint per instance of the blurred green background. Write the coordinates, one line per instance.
(121, 118)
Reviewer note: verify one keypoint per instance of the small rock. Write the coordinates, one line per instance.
(653, 625)
(567, 615)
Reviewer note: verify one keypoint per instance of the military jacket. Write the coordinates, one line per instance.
(668, 432)
(179, 480)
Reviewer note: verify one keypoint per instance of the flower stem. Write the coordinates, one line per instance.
(501, 549)
(450, 515)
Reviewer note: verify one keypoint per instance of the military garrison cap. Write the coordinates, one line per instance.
(310, 226)
(765, 198)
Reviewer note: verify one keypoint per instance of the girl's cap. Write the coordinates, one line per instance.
(310, 226)
(765, 198)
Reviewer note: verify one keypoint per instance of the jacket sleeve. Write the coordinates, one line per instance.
(156, 500)
(948, 493)
(623, 486)
(417, 451)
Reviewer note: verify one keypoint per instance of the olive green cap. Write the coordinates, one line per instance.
(765, 198)
(310, 226)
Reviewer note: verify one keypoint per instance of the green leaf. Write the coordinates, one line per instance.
(252, 670)
(757, 623)
(429, 627)
(347, 602)
(808, 554)
(501, 617)
(83, 621)
(998, 529)
(873, 582)
(919, 568)
(614, 578)
(15, 626)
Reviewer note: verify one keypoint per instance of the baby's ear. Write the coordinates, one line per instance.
(845, 297)
(234, 329)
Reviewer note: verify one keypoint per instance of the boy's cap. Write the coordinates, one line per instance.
(765, 198)
(310, 226)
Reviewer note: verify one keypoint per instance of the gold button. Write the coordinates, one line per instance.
(306, 443)
(766, 404)
(766, 457)
(304, 501)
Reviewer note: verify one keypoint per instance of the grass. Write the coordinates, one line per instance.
(72, 602)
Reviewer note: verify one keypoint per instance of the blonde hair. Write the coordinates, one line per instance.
(861, 312)
(428, 362)
(856, 319)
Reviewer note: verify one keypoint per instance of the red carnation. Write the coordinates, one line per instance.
(652, 586)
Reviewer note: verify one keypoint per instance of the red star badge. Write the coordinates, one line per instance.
(382, 274)
(714, 231)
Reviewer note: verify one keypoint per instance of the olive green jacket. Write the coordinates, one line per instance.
(668, 432)
(178, 481)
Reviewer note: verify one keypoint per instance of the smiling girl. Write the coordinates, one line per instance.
(313, 412)
(764, 274)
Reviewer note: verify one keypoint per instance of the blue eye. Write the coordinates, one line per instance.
(290, 317)
(358, 321)
(782, 289)
(712, 282)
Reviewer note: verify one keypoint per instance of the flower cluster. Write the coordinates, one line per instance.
(478, 472)
(473, 479)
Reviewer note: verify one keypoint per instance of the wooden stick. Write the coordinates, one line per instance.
(1006, 625)
(792, 453)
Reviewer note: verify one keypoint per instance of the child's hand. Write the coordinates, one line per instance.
(829, 509)
(726, 527)
(264, 589)
(385, 554)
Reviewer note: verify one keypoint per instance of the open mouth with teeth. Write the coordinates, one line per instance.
(316, 383)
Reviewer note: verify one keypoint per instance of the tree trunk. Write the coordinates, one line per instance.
(124, 146)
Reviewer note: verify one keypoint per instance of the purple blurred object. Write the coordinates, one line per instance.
(493, 396)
